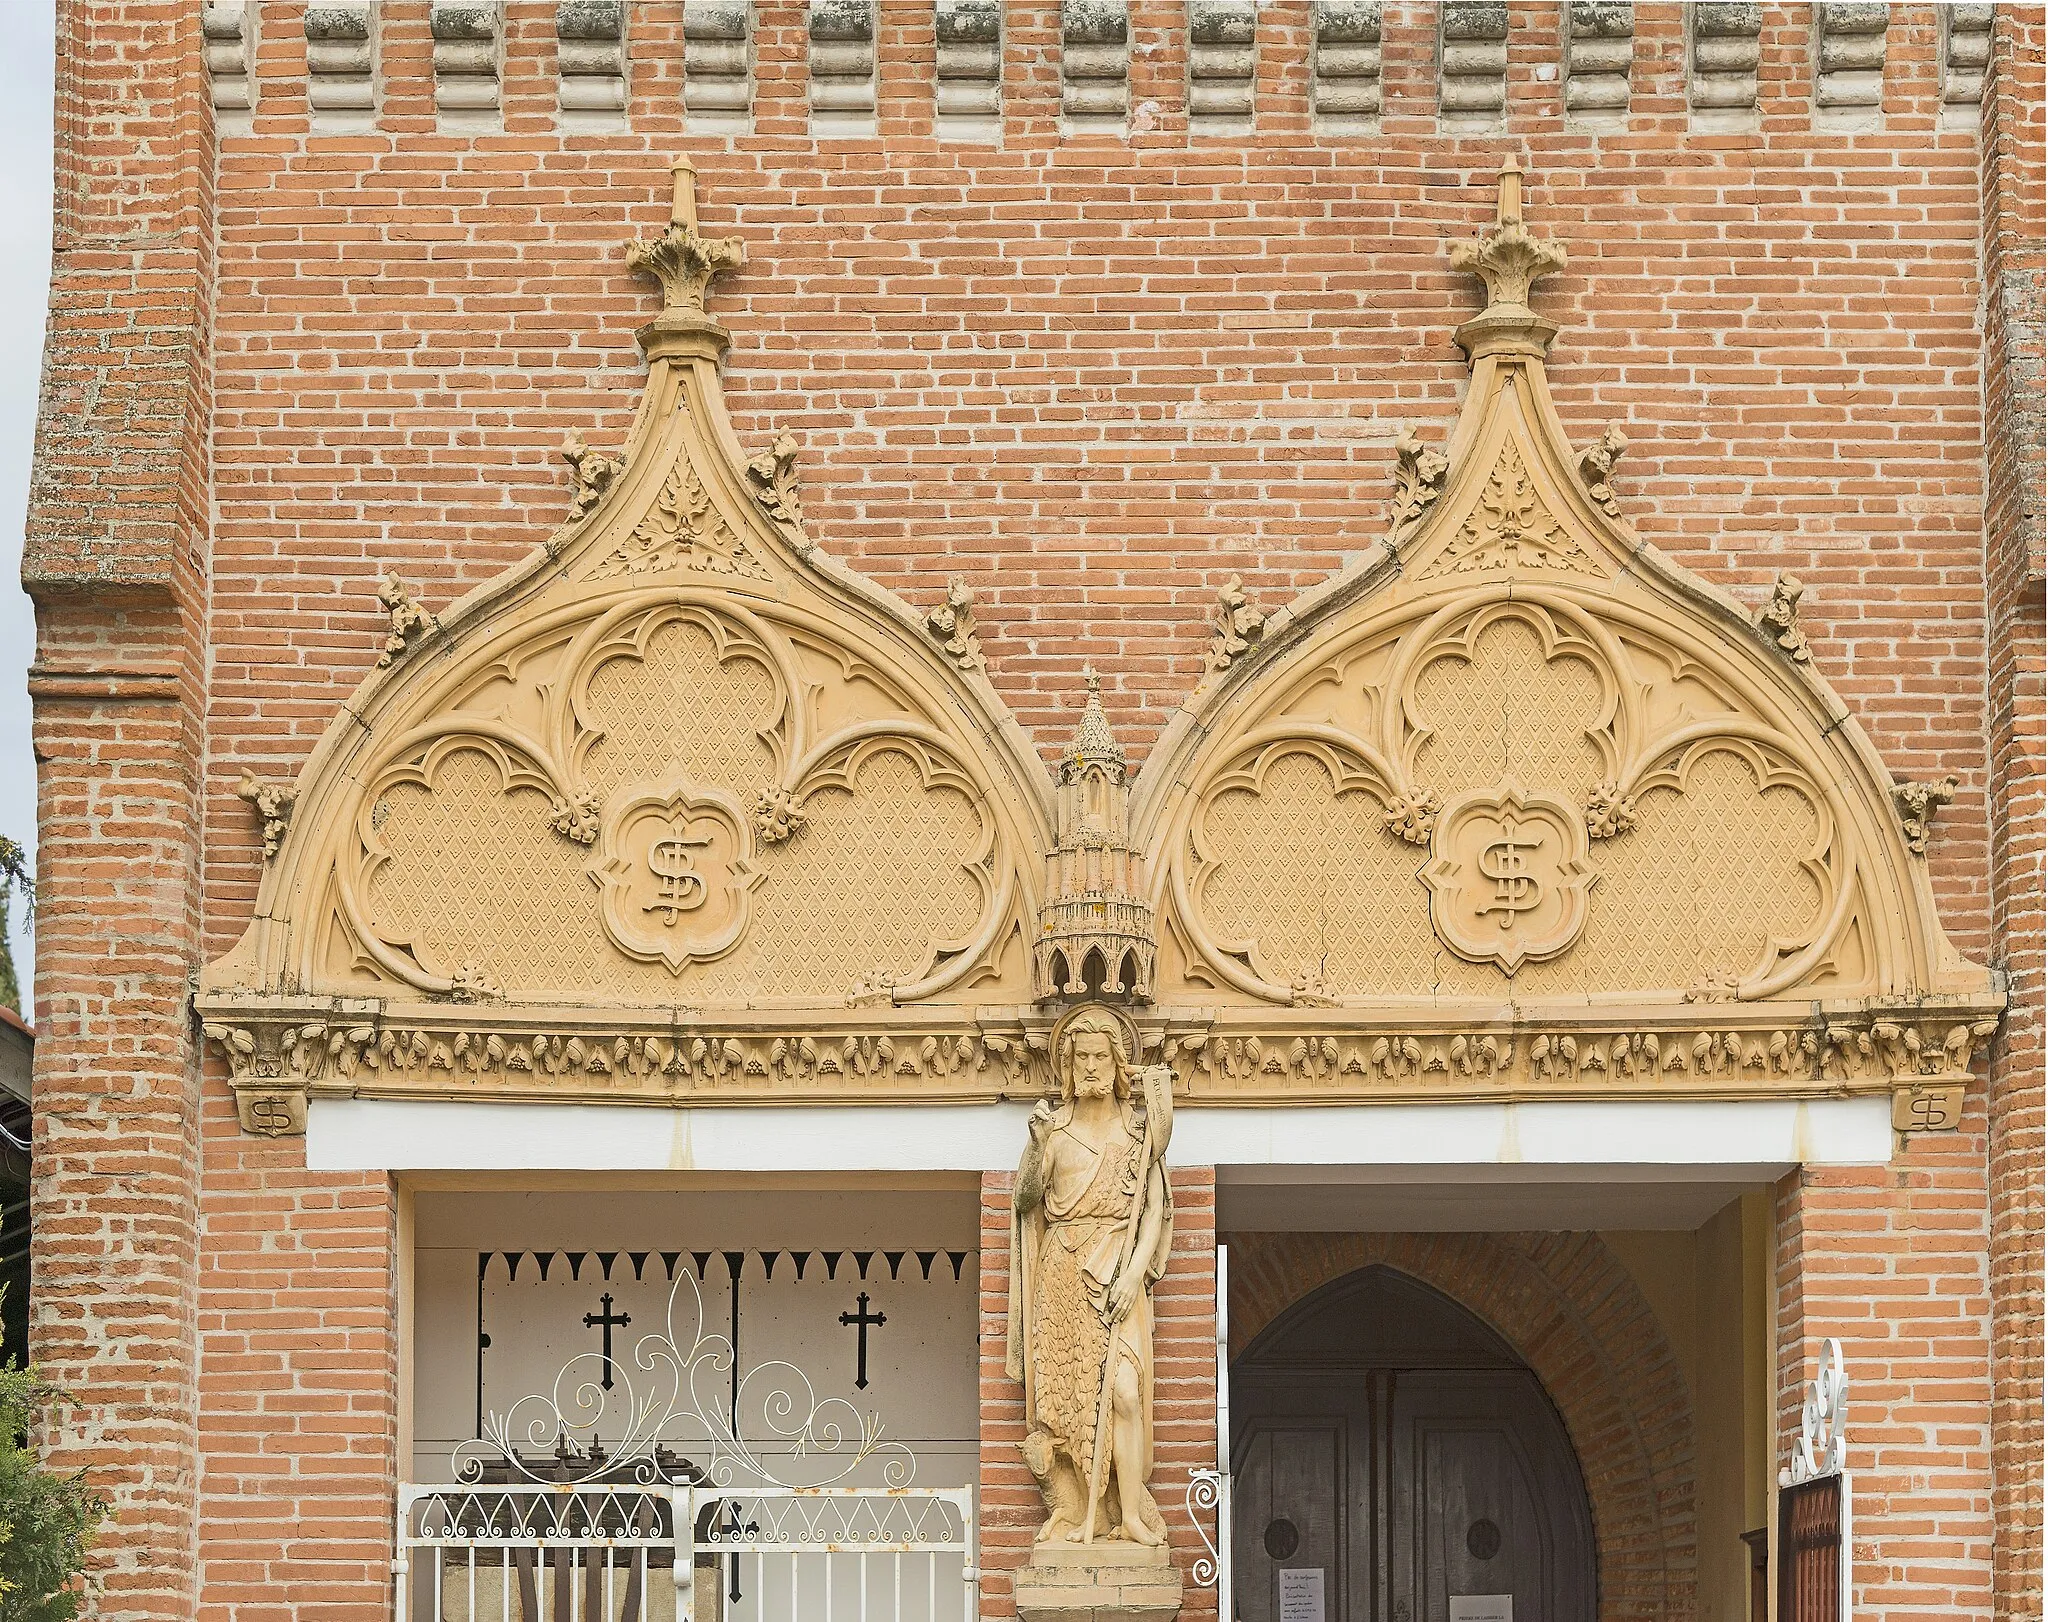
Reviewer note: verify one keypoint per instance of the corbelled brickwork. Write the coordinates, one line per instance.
(1097, 371)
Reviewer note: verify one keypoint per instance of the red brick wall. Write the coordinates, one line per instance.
(1569, 1308)
(115, 555)
(1184, 1392)
(2014, 183)
(1892, 1262)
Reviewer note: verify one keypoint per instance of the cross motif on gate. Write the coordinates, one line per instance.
(608, 1320)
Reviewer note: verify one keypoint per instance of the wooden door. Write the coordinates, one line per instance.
(1389, 1440)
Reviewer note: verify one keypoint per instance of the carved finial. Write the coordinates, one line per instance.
(1780, 618)
(590, 473)
(1917, 803)
(409, 618)
(1094, 743)
(1509, 261)
(273, 802)
(1419, 472)
(1237, 626)
(685, 261)
(951, 625)
(1596, 465)
(773, 474)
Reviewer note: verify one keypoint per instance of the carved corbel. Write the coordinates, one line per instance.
(273, 802)
(951, 625)
(577, 820)
(1596, 466)
(1419, 474)
(774, 478)
(1779, 619)
(1917, 803)
(1236, 627)
(590, 473)
(1411, 815)
(1609, 812)
(409, 618)
(778, 814)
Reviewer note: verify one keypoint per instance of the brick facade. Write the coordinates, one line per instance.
(1097, 375)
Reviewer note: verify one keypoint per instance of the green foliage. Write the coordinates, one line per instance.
(14, 875)
(47, 1521)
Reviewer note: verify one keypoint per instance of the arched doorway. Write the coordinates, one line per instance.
(1383, 1435)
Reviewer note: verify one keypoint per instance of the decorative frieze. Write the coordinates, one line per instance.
(1345, 73)
(842, 41)
(1848, 69)
(1223, 59)
(1600, 46)
(341, 66)
(229, 30)
(718, 65)
(970, 69)
(280, 1054)
(1095, 63)
(469, 63)
(590, 64)
(1472, 58)
(1965, 57)
(1725, 45)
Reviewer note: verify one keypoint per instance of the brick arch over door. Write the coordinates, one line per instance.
(1572, 1312)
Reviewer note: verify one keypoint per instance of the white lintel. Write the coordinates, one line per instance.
(1749, 1139)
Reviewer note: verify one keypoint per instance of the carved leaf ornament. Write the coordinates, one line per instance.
(682, 808)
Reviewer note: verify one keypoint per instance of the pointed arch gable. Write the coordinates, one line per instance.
(1517, 807)
(677, 760)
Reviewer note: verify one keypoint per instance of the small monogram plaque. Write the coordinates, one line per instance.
(1508, 876)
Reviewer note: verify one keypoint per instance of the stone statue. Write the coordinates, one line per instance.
(1091, 1225)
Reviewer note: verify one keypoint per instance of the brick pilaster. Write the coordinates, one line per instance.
(115, 559)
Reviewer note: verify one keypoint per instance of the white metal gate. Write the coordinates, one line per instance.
(663, 1552)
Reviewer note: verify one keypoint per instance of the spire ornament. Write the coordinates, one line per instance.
(685, 260)
(1510, 261)
(1096, 920)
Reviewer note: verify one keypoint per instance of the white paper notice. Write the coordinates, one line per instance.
(1301, 1594)
(1482, 1608)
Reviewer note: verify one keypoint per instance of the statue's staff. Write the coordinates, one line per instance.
(1157, 1081)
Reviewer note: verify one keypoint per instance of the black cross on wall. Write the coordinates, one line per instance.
(608, 1320)
(863, 1319)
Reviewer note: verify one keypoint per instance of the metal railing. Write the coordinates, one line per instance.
(664, 1552)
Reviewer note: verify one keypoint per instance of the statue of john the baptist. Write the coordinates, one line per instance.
(1091, 1225)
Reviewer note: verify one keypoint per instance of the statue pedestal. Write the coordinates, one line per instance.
(1098, 1582)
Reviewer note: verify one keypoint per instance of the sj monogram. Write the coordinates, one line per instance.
(679, 887)
(675, 873)
(1508, 876)
(1516, 888)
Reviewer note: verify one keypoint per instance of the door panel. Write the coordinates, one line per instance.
(1483, 1499)
(1411, 1455)
(1292, 1500)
